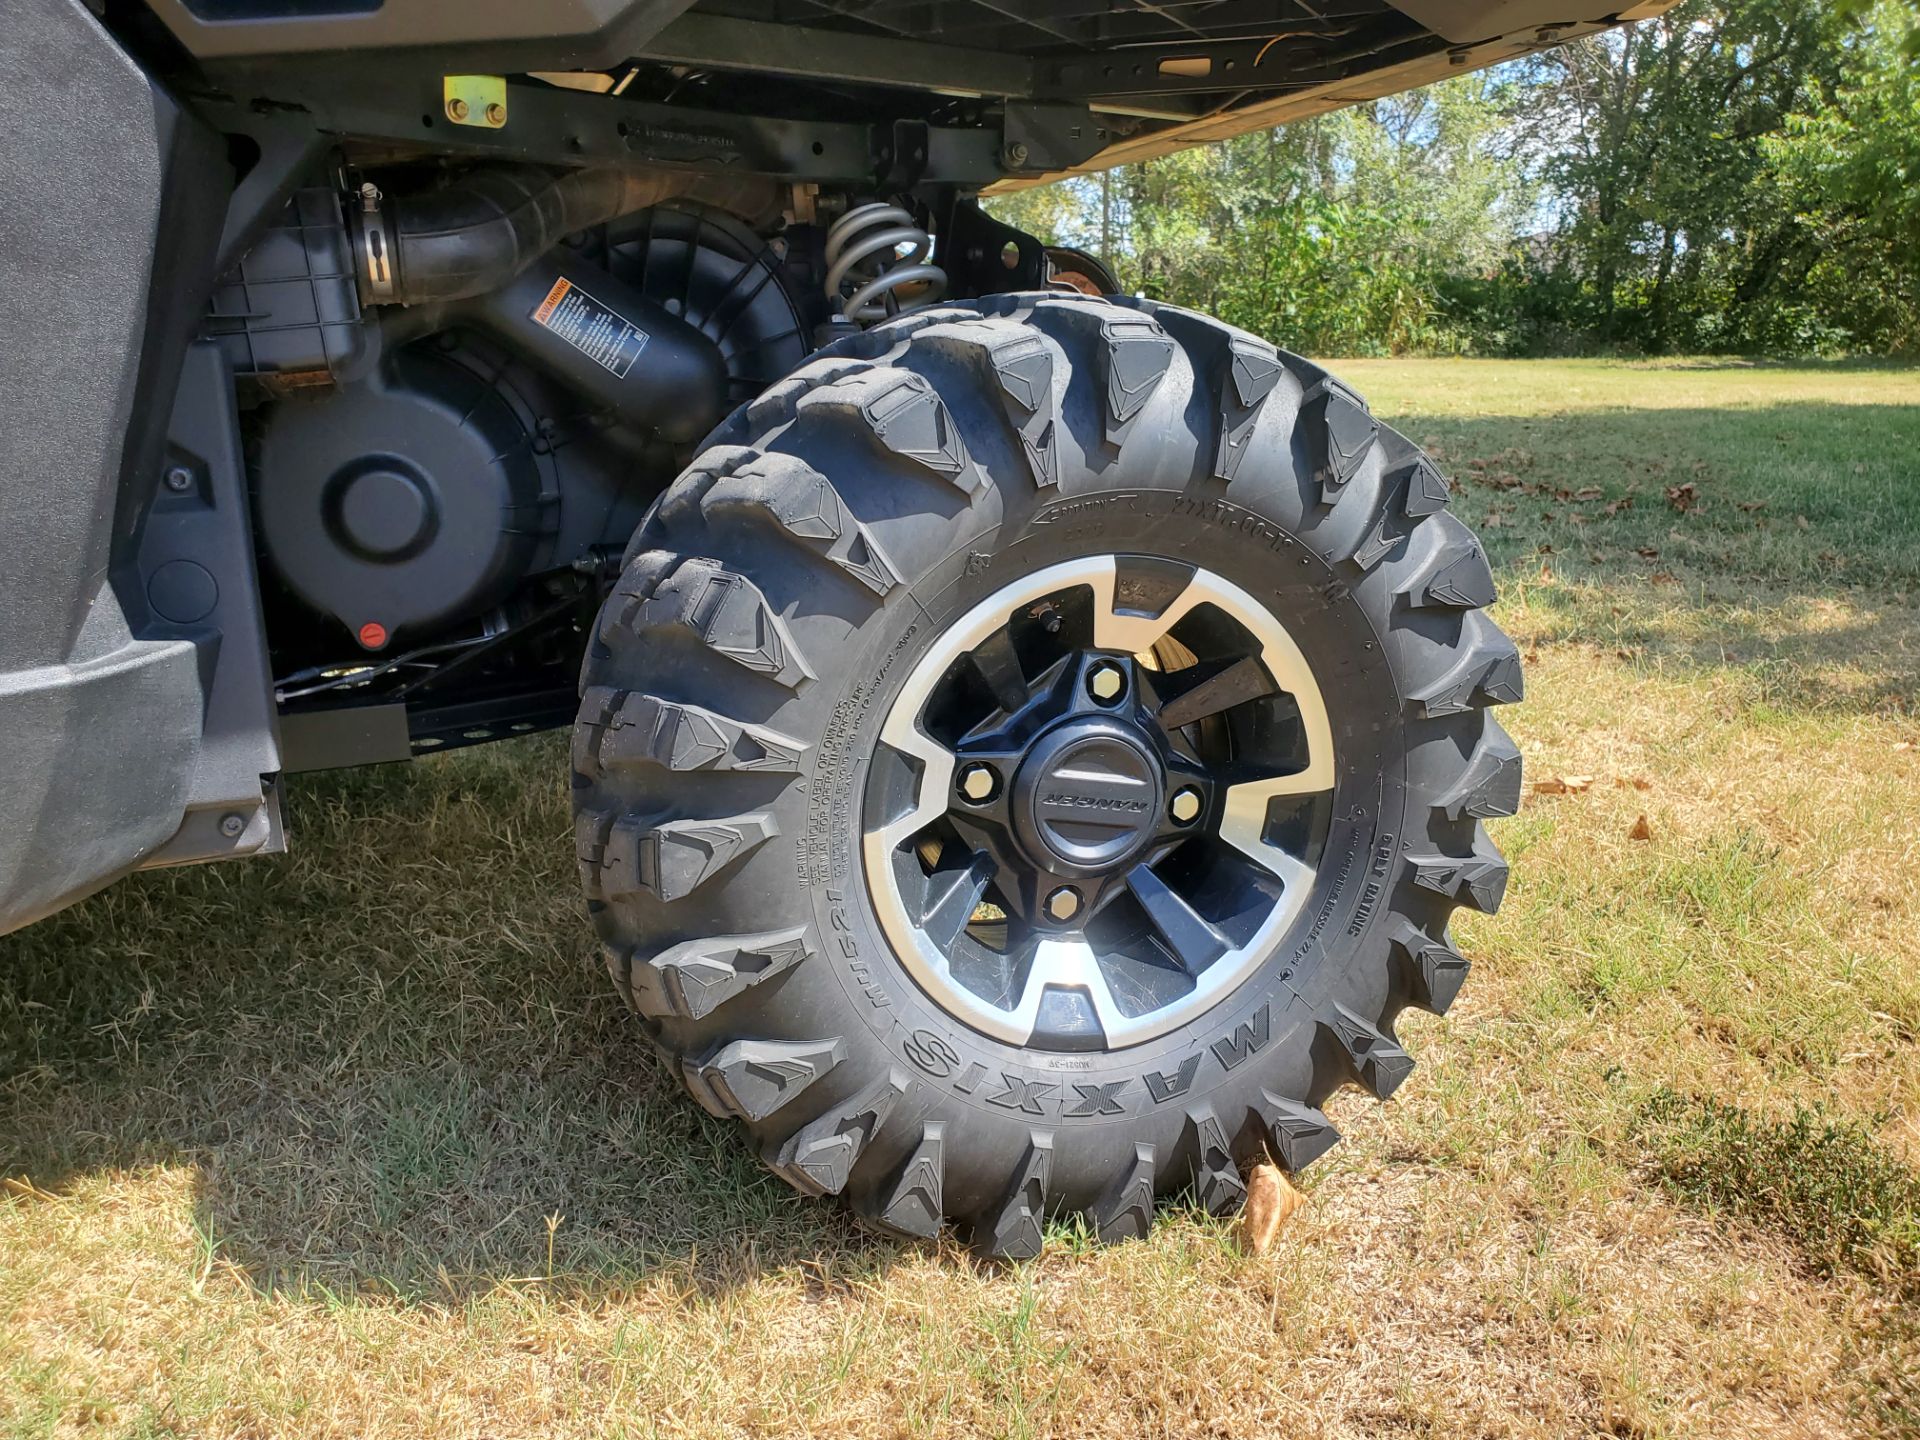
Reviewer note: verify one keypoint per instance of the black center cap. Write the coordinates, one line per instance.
(1087, 797)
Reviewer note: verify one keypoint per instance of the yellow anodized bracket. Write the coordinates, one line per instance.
(475, 100)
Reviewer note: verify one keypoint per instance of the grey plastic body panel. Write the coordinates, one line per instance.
(558, 34)
(1463, 21)
(99, 730)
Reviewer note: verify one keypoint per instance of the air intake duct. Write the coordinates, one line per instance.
(609, 342)
(478, 232)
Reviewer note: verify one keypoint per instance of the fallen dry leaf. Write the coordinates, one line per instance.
(1563, 785)
(1903, 744)
(1683, 497)
(1271, 1199)
(1588, 492)
(1632, 782)
(1751, 505)
(1665, 577)
(1647, 552)
(1641, 830)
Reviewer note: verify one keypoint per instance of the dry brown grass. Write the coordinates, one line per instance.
(295, 1129)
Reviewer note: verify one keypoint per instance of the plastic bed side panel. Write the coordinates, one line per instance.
(99, 728)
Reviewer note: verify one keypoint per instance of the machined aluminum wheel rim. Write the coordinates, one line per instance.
(1067, 961)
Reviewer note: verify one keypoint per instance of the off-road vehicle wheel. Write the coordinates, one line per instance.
(1031, 758)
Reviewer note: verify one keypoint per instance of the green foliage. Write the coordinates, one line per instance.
(1825, 1185)
(1736, 176)
(1830, 1190)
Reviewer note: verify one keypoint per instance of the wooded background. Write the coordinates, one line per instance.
(1737, 176)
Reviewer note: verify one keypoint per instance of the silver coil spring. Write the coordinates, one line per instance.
(864, 249)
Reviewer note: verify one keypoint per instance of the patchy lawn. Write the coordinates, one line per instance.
(355, 1141)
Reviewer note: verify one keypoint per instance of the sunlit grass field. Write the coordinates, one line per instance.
(356, 1141)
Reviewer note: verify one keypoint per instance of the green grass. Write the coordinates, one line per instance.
(356, 1140)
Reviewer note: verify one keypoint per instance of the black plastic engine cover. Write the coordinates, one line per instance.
(404, 501)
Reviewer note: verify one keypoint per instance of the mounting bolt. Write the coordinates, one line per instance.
(232, 824)
(1186, 805)
(457, 108)
(978, 783)
(179, 479)
(1063, 904)
(1105, 682)
(496, 113)
(1017, 153)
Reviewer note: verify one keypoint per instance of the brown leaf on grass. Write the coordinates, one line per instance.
(1614, 507)
(1563, 785)
(1641, 830)
(1750, 506)
(1903, 745)
(1588, 492)
(1271, 1199)
(1632, 782)
(1664, 577)
(1683, 497)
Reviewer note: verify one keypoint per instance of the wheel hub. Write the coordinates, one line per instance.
(1087, 797)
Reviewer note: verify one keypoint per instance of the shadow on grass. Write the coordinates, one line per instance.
(390, 1056)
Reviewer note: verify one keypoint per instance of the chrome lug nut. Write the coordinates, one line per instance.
(1105, 682)
(977, 783)
(1063, 904)
(1186, 805)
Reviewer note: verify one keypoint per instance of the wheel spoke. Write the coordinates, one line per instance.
(1246, 679)
(952, 896)
(997, 664)
(1194, 942)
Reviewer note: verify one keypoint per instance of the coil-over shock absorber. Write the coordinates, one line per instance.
(878, 250)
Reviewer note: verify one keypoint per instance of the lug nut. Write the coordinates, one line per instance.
(1105, 682)
(1063, 904)
(977, 783)
(1186, 805)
